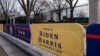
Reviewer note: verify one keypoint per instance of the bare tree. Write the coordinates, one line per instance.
(57, 6)
(27, 6)
(72, 4)
(7, 7)
(38, 8)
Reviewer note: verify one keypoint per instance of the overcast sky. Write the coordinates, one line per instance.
(83, 2)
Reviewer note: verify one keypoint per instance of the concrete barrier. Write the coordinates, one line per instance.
(2, 52)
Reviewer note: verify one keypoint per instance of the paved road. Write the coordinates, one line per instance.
(10, 49)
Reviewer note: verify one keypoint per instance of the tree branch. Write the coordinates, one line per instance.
(68, 1)
(75, 4)
(22, 3)
(33, 3)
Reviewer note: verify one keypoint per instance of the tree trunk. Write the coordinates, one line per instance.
(59, 16)
(6, 17)
(71, 16)
(66, 12)
(51, 15)
(36, 17)
(27, 19)
(6, 21)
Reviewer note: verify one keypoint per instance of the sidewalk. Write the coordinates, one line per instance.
(10, 49)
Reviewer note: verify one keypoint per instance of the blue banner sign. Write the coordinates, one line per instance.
(93, 40)
(9, 28)
(23, 32)
(6, 28)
